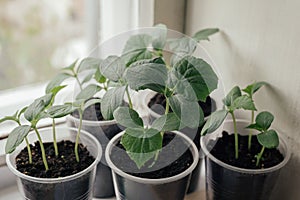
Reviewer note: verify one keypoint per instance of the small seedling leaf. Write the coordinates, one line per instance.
(59, 111)
(264, 120)
(16, 137)
(128, 117)
(141, 144)
(56, 81)
(251, 89)
(99, 77)
(268, 139)
(136, 48)
(111, 100)
(150, 74)
(112, 68)
(244, 102)
(37, 107)
(88, 92)
(205, 33)
(89, 64)
(234, 93)
(214, 121)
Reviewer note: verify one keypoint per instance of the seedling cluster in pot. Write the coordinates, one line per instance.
(234, 100)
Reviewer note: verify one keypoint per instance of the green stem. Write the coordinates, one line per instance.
(77, 79)
(54, 137)
(28, 150)
(258, 157)
(42, 148)
(129, 98)
(236, 137)
(250, 132)
(78, 135)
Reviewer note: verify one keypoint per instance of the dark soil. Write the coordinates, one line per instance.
(224, 151)
(63, 165)
(158, 103)
(173, 159)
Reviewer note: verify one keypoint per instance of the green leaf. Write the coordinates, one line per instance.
(111, 100)
(263, 121)
(88, 77)
(56, 81)
(88, 92)
(268, 139)
(251, 89)
(234, 93)
(193, 78)
(59, 111)
(244, 102)
(214, 121)
(141, 144)
(184, 45)
(169, 122)
(89, 64)
(113, 68)
(136, 48)
(91, 101)
(37, 107)
(205, 33)
(99, 77)
(128, 117)
(150, 74)
(16, 137)
(159, 36)
(71, 68)
(21, 112)
(189, 112)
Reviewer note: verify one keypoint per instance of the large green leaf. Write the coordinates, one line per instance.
(128, 117)
(214, 121)
(150, 74)
(193, 78)
(88, 92)
(59, 111)
(234, 93)
(16, 137)
(141, 144)
(189, 112)
(169, 122)
(112, 68)
(251, 89)
(89, 64)
(56, 81)
(37, 107)
(244, 102)
(136, 48)
(268, 139)
(111, 100)
(205, 33)
(159, 36)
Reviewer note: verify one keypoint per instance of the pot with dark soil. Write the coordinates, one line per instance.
(243, 158)
(66, 178)
(103, 130)
(164, 177)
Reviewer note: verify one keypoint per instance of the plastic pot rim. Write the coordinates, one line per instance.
(91, 122)
(183, 174)
(60, 179)
(282, 144)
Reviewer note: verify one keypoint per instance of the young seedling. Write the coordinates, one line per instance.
(250, 90)
(234, 100)
(268, 138)
(188, 81)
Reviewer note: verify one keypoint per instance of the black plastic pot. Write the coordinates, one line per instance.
(193, 134)
(135, 188)
(103, 131)
(226, 182)
(76, 186)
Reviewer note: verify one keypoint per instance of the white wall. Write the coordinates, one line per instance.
(260, 40)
